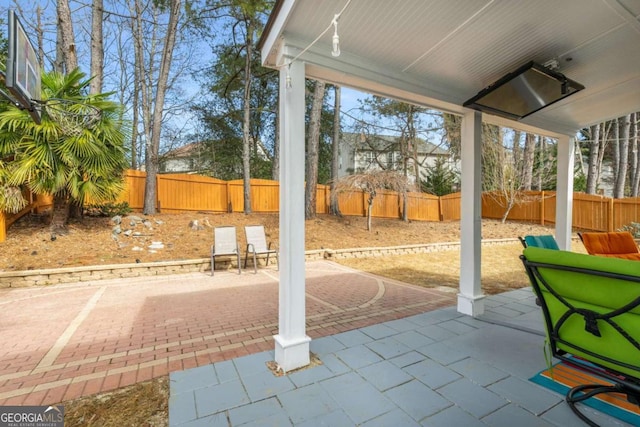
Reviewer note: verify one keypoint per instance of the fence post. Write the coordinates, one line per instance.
(610, 219)
(3, 228)
(542, 208)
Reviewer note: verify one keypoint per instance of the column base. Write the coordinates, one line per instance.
(471, 305)
(292, 353)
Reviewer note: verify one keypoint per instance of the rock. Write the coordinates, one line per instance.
(134, 218)
(122, 245)
(137, 234)
(147, 224)
(156, 245)
(116, 219)
(137, 248)
(151, 251)
(195, 226)
(116, 229)
(128, 233)
(159, 221)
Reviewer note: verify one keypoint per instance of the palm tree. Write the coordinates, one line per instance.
(71, 159)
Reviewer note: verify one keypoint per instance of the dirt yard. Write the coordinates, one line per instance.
(91, 241)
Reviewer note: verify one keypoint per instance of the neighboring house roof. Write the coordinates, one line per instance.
(188, 150)
(185, 159)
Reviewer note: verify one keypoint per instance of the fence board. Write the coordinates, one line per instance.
(187, 193)
(423, 207)
(590, 212)
(352, 203)
(625, 211)
(386, 204)
(450, 207)
(322, 198)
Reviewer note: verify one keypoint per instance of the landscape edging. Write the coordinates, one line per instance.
(15, 279)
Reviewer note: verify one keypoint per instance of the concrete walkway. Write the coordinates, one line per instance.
(66, 341)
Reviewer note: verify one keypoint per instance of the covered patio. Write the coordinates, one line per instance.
(438, 54)
(439, 368)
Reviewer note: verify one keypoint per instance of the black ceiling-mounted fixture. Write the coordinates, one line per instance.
(530, 88)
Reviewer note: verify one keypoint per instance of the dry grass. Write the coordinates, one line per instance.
(142, 404)
(501, 268)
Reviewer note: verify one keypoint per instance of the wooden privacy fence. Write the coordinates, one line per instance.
(178, 193)
(187, 193)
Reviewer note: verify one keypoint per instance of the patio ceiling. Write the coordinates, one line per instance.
(440, 53)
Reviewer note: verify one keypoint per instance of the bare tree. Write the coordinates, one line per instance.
(623, 143)
(334, 208)
(371, 182)
(153, 120)
(635, 150)
(97, 47)
(246, 120)
(66, 43)
(313, 142)
(593, 171)
(528, 160)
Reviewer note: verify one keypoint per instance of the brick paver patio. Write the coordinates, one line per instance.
(67, 341)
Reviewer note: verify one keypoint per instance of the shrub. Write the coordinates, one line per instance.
(108, 209)
(633, 228)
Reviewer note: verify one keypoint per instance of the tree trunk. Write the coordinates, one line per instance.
(39, 33)
(579, 157)
(634, 141)
(66, 42)
(527, 161)
(313, 142)
(624, 157)
(246, 121)
(97, 48)
(517, 149)
(592, 174)
(153, 146)
(369, 210)
(605, 131)
(542, 153)
(59, 215)
(334, 208)
(616, 158)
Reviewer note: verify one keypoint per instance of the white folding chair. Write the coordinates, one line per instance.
(257, 244)
(225, 243)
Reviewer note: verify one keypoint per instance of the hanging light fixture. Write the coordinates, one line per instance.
(335, 51)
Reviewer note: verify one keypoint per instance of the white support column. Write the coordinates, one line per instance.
(564, 192)
(470, 298)
(292, 343)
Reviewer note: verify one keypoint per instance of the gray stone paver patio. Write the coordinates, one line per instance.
(438, 368)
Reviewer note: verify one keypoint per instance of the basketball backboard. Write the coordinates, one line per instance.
(23, 68)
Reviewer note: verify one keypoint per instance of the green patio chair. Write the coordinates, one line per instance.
(591, 310)
(546, 241)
